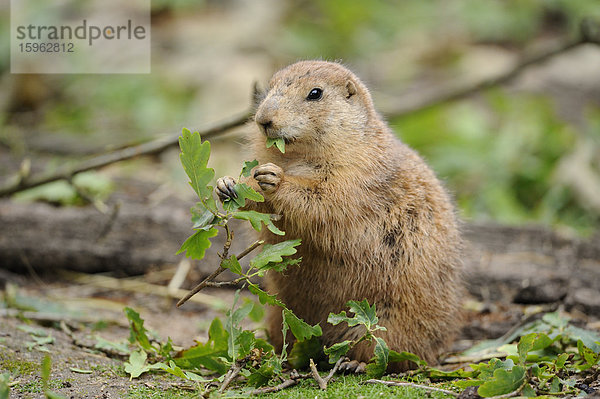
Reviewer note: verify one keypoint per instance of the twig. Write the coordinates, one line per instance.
(180, 274)
(214, 274)
(251, 248)
(136, 285)
(285, 384)
(320, 380)
(293, 380)
(412, 385)
(213, 284)
(233, 372)
(148, 148)
(589, 33)
(412, 103)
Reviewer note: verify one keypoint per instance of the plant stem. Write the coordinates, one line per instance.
(218, 271)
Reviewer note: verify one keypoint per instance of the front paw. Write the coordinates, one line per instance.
(352, 367)
(268, 177)
(224, 188)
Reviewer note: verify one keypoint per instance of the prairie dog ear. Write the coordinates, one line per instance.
(350, 89)
(258, 94)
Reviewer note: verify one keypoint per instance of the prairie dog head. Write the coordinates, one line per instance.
(315, 102)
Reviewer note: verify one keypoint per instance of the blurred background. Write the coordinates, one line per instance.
(521, 153)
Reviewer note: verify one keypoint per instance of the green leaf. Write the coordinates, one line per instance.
(136, 365)
(555, 320)
(208, 355)
(4, 387)
(232, 264)
(248, 166)
(197, 244)
(301, 330)
(119, 347)
(363, 314)
(234, 318)
(243, 192)
(528, 391)
(46, 366)
(503, 382)
(264, 297)
(395, 357)
(589, 338)
(258, 311)
(336, 351)
(265, 372)
(303, 351)
(279, 143)
(172, 368)
(80, 371)
(137, 331)
(555, 385)
(587, 355)
(486, 370)
(561, 360)
(524, 346)
(284, 333)
(274, 253)
(279, 266)
(203, 218)
(245, 342)
(194, 158)
(256, 219)
(379, 363)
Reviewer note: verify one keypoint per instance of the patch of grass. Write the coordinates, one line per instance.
(144, 392)
(351, 387)
(36, 386)
(16, 366)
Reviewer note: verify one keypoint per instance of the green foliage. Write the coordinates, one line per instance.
(194, 158)
(86, 184)
(545, 350)
(45, 369)
(230, 344)
(4, 388)
(279, 142)
(197, 244)
(248, 166)
(363, 314)
(211, 355)
(366, 318)
(137, 331)
(257, 219)
(243, 192)
(502, 158)
(272, 254)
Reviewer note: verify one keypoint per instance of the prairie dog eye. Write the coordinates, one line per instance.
(315, 94)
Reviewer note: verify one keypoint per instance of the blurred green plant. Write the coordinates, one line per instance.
(501, 157)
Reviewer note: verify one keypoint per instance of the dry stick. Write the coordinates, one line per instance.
(285, 384)
(320, 380)
(233, 372)
(136, 285)
(589, 33)
(214, 274)
(412, 385)
(148, 148)
(414, 104)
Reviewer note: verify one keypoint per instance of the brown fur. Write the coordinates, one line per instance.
(374, 220)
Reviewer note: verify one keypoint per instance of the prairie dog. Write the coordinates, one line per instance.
(374, 220)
